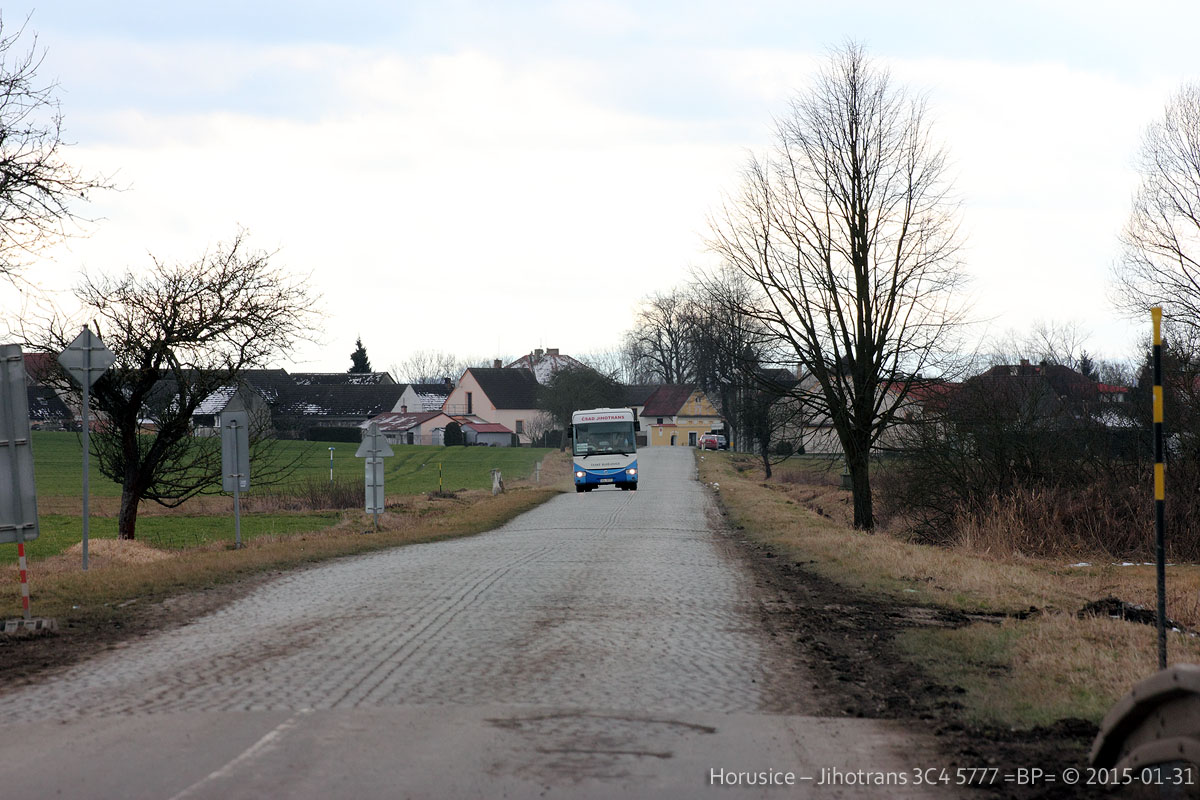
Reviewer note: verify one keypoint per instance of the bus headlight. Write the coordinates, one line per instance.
(579, 473)
(631, 471)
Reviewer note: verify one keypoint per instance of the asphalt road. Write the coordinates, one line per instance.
(603, 645)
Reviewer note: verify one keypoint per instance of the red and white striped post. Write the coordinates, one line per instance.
(24, 578)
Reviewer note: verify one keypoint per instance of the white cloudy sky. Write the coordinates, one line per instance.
(485, 177)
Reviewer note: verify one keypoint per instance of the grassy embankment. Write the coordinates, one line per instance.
(189, 547)
(1017, 672)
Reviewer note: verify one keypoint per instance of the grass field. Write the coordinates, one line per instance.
(58, 466)
(414, 470)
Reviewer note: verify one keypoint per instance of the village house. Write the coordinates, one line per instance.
(411, 427)
(426, 396)
(496, 394)
(677, 415)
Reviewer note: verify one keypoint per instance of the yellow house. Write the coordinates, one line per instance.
(676, 415)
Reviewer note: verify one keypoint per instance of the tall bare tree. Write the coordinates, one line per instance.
(39, 188)
(1161, 259)
(179, 333)
(849, 230)
(660, 342)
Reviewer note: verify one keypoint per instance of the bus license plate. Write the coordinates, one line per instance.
(606, 480)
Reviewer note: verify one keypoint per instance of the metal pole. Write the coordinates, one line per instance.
(439, 477)
(331, 465)
(24, 574)
(237, 502)
(87, 369)
(1159, 491)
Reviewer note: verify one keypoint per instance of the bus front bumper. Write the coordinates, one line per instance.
(605, 477)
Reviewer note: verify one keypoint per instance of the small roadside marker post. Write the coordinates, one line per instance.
(374, 449)
(85, 359)
(1160, 490)
(235, 463)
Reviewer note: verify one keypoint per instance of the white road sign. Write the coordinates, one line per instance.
(86, 358)
(374, 449)
(18, 498)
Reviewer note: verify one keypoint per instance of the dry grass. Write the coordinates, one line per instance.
(1023, 672)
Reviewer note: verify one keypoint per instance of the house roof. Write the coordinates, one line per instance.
(215, 403)
(267, 382)
(506, 387)
(667, 399)
(486, 427)
(45, 405)
(637, 393)
(431, 396)
(336, 401)
(342, 378)
(397, 421)
(1067, 383)
(543, 365)
(444, 389)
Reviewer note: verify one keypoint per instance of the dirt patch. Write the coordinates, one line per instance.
(846, 640)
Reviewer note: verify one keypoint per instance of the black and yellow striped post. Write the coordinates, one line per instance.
(1160, 490)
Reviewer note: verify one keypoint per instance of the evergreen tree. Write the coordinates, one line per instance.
(1087, 367)
(358, 359)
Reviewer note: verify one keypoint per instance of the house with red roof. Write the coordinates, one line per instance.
(492, 434)
(676, 415)
(411, 427)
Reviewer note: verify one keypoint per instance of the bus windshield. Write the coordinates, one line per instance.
(598, 438)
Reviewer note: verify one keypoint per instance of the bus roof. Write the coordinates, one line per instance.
(602, 415)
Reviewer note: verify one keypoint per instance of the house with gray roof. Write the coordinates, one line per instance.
(503, 395)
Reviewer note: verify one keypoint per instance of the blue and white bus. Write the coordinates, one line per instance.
(604, 448)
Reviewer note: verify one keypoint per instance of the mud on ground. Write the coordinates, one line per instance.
(846, 639)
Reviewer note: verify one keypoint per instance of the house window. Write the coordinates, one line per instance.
(470, 409)
(659, 421)
(520, 426)
(691, 438)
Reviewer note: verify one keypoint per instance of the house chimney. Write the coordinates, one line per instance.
(553, 351)
(496, 364)
(446, 381)
(1024, 362)
(537, 353)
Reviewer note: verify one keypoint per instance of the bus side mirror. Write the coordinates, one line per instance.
(637, 424)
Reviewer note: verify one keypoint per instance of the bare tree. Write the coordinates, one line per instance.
(179, 333)
(1161, 259)
(1051, 342)
(849, 230)
(429, 366)
(660, 342)
(39, 187)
